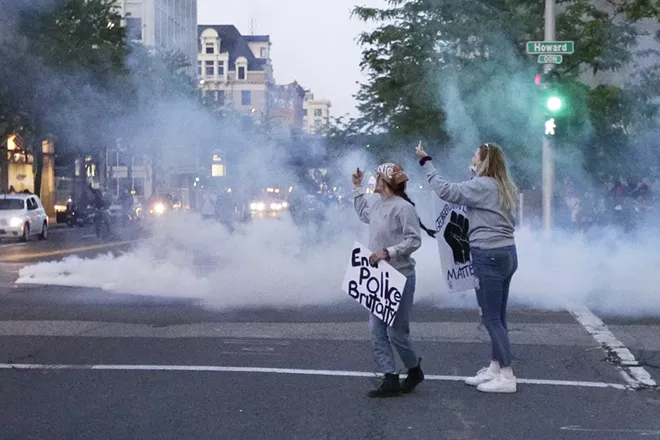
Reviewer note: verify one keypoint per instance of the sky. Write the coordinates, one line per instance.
(314, 42)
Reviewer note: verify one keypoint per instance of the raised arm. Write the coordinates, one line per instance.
(361, 204)
(360, 201)
(469, 193)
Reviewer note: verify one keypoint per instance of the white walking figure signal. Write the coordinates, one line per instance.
(550, 127)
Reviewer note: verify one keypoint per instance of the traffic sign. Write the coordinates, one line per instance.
(550, 127)
(550, 59)
(550, 47)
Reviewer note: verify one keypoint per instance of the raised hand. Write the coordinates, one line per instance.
(420, 151)
(357, 177)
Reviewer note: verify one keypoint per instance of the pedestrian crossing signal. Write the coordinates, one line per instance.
(550, 127)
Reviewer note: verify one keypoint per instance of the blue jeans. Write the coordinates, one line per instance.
(494, 269)
(383, 336)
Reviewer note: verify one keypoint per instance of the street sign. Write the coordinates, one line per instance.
(550, 47)
(550, 59)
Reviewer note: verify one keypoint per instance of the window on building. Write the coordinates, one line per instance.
(246, 97)
(264, 52)
(134, 28)
(318, 112)
(210, 68)
(210, 48)
(199, 68)
(221, 69)
(318, 123)
(221, 97)
(217, 170)
(241, 72)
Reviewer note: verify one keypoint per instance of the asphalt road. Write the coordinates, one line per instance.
(85, 364)
(62, 241)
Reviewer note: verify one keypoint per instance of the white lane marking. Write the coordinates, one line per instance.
(18, 244)
(89, 236)
(340, 373)
(641, 432)
(632, 373)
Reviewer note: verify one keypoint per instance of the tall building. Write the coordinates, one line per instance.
(287, 106)
(236, 70)
(316, 114)
(165, 24)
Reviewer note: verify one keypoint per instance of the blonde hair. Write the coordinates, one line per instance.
(493, 165)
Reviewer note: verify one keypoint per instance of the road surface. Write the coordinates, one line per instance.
(85, 364)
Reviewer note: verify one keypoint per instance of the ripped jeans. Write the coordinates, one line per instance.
(398, 335)
(494, 269)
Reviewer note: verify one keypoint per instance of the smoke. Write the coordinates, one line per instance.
(275, 263)
(271, 264)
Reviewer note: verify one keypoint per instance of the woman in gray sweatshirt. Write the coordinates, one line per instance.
(394, 234)
(490, 199)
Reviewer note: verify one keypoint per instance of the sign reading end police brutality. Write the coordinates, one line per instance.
(378, 288)
(453, 224)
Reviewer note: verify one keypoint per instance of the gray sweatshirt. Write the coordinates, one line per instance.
(490, 225)
(393, 225)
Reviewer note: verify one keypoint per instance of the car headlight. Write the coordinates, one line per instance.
(285, 205)
(276, 206)
(159, 208)
(257, 206)
(15, 222)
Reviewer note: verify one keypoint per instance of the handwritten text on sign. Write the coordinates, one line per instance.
(378, 289)
(453, 224)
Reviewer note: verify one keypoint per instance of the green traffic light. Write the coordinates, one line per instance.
(554, 104)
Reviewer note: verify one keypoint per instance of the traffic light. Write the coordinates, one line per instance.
(553, 101)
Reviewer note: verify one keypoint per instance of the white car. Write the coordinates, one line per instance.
(21, 216)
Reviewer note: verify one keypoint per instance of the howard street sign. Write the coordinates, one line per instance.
(550, 59)
(550, 47)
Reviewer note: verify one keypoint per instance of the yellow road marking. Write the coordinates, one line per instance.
(63, 251)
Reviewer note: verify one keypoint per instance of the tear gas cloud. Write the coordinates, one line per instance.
(274, 263)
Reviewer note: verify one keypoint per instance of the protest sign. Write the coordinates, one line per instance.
(452, 224)
(378, 289)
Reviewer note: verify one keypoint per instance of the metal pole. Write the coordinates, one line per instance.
(548, 142)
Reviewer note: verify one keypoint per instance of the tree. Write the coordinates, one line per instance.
(457, 71)
(63, 66)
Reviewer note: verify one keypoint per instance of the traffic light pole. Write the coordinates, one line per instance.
(548, 141)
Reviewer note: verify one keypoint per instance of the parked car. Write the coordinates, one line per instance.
(22, 216)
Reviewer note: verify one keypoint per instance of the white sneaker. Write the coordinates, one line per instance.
(484, 375)
(500, 384)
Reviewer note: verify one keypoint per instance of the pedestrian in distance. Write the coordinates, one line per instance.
(490, 198)
(394, 234)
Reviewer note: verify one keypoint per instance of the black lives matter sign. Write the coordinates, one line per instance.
(453, 224)
(378, 288)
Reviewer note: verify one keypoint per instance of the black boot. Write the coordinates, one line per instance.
(415, 377)
(389, 387)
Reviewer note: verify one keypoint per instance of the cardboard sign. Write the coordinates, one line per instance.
(378, 289)
(453, 224)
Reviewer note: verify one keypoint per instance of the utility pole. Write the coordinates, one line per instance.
(548, 141)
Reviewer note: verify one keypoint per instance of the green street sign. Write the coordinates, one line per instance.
(550, 47)
(550, 59)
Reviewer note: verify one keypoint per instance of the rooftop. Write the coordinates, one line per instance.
(236, 44)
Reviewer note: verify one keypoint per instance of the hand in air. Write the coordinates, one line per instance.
(420, 151)
(357, 177)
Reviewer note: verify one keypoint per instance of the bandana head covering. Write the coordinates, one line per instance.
(392, 173)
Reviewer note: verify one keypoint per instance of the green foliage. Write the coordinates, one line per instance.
(454, 71)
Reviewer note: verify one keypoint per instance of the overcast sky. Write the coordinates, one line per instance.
(314, 42)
